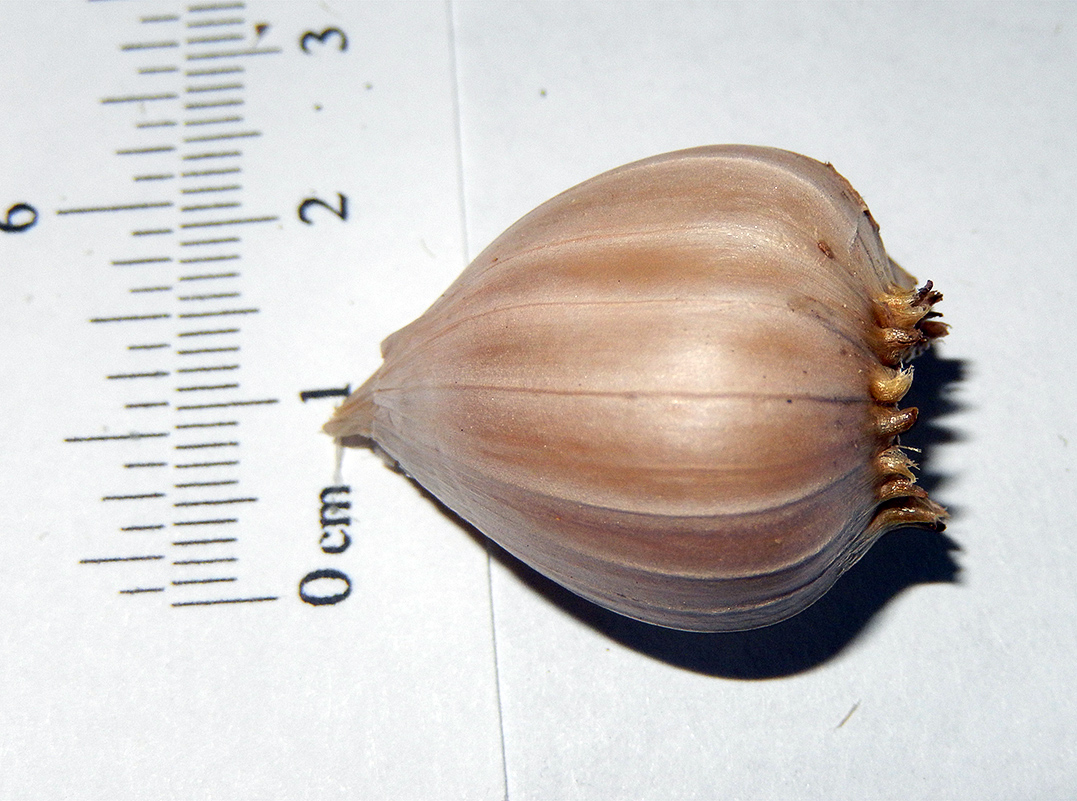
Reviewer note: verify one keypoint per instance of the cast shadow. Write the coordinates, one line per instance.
(899, 560)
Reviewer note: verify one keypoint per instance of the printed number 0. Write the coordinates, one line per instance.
(322, 38)
(9, 225)
(341, 210)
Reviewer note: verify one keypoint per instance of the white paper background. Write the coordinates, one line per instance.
(446, 679)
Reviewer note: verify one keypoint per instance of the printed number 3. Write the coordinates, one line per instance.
(322, 38)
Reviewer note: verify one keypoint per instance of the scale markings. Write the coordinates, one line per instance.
(139, 98)
(223, 502)
(148, 46)
(203, 445)
(129, 318)
(222, 137)
(146, 464)
(206, 206)
(140, 497)
(207, 350)
(227, 601)
(206, 464)
(145, 405)
(221, 580)
(144, 260)
(104, 559)
(156, 527)
(220, 313)
(162, 204)
(138, 590)
(217, 561)
(105, 437)
(208, 369)
(253, 51)
(229, 404)
(155, 374)
(190, 484)
(142, 151)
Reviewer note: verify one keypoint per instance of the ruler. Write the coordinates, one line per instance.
(180, 276)
(202, 200)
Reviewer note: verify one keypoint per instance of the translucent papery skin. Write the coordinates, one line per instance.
(656, 388)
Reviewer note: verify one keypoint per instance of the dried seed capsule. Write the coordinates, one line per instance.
(671, 389)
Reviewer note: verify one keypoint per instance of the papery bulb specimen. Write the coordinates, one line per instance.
(672, 388)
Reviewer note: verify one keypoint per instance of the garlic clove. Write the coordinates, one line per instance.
(671, 388)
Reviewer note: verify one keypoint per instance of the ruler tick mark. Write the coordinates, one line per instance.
(224, 502)
(222, 313)
(157, 70)
(140, 289)
(226, 601)
(203, 445)
(215, 121)
(229, 404)
(238, 221)
(209, 333)
(104, 559)
(215, 368)
(143, 496)
(207, 387)
(219, 171)
(140, 590)
(197, 190)
(108, 437)
(122, 207)
(142, 151)
(218, 561)
(208, 425)
(213, 23)
(214, 296)
(208, 206)
(205, 464)
(154, 346)
(157, 124)
(139, 98)
(217, 87)
(149, 405)
(182, 582)
(254, 51)
(223, 37)
(191, 484)
(213, 104)
(148, 46)
(222, 137)
(145, 260)
(207, 350)
(208, 276)
(160, 18)
(152, 232)
(132, 465)
(220, 154)
(142, 528)
(130, 318)
(154, 374)
(200, 7)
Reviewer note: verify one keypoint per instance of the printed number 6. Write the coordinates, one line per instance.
(9, 225)
(322, 38)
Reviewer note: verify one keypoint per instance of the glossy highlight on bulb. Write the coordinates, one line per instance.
(673, 388)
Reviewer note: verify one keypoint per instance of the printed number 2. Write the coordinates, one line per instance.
(322, 38)
(11, 224)
(341, 210)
